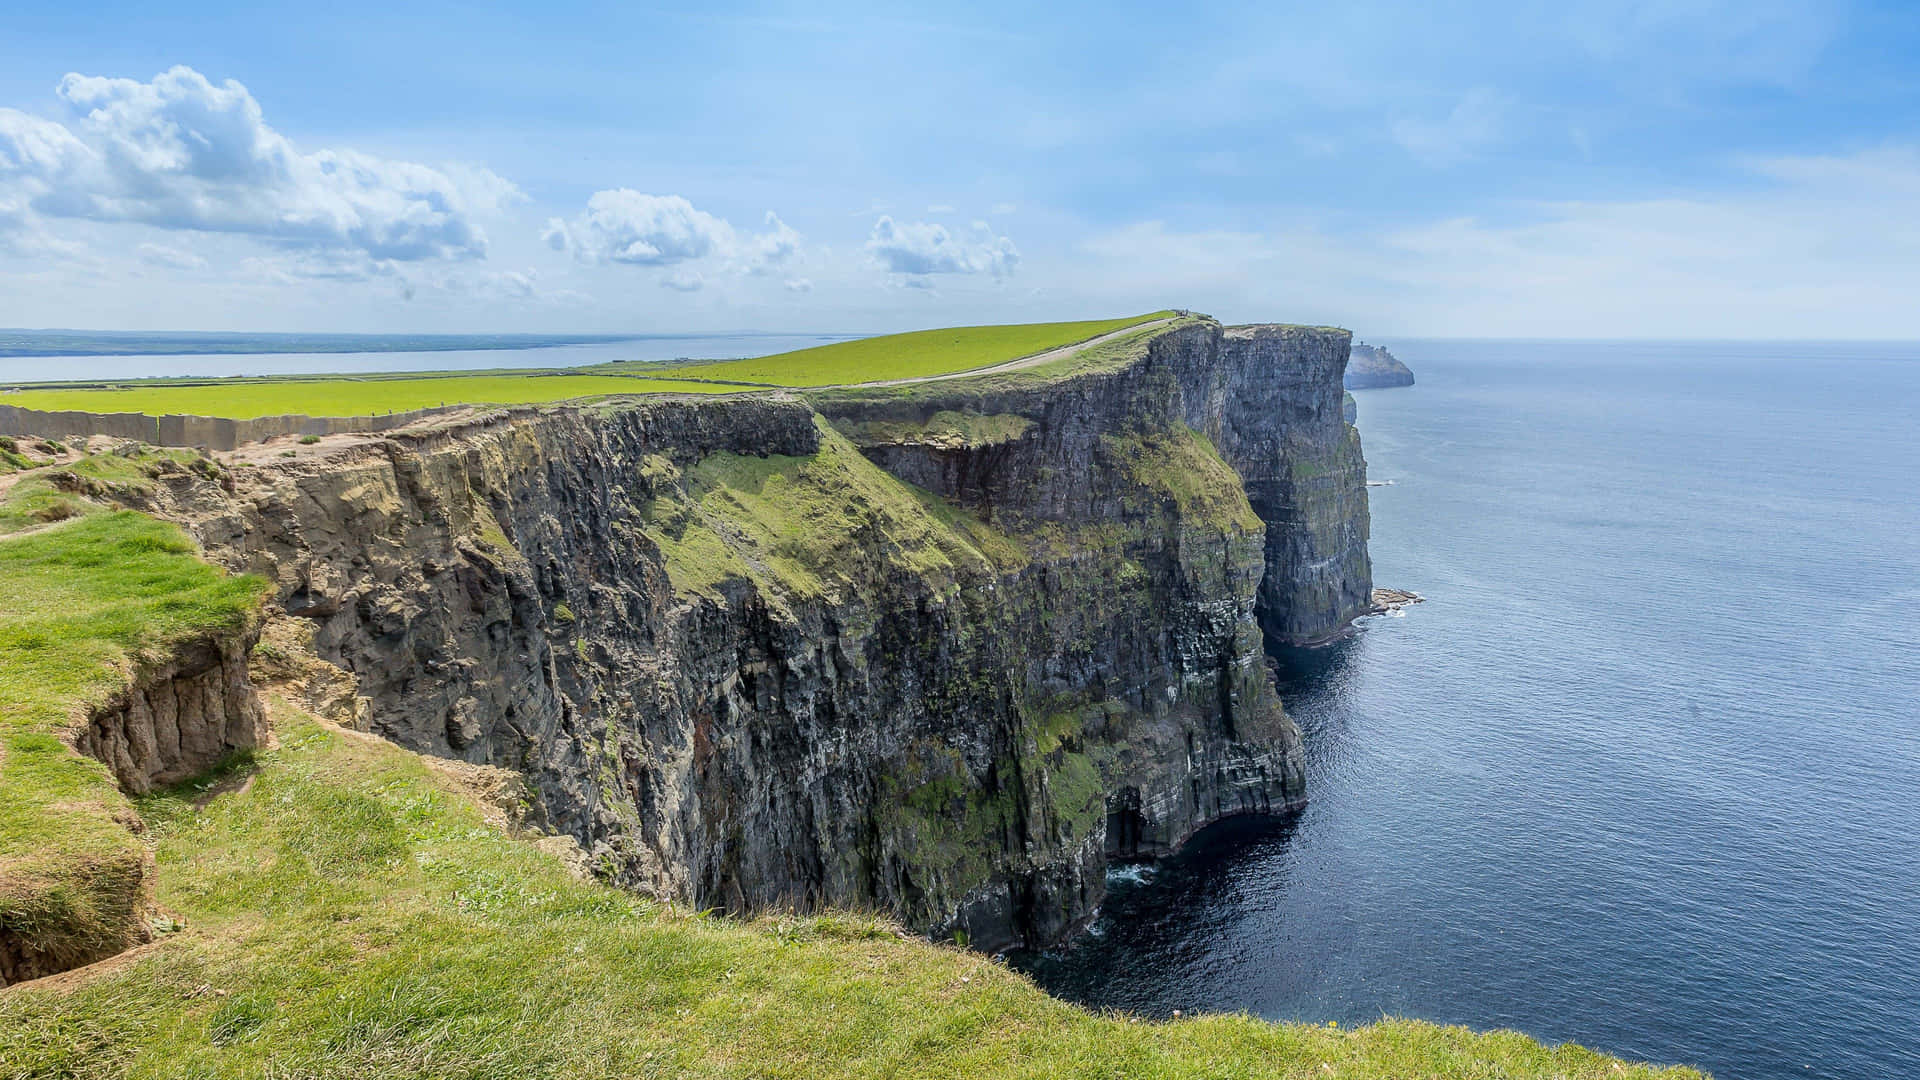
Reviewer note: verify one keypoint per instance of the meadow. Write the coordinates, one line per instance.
(354, 911)
(916, 355)
(243, 399)
(85, 593)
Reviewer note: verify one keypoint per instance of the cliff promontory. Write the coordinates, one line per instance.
(1372, 367)
(942, 649)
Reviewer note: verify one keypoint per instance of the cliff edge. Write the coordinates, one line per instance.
(943, 649)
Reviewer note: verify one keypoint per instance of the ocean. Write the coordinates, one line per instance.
(1642, 773)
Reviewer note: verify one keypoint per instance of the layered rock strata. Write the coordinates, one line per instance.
(945, 650)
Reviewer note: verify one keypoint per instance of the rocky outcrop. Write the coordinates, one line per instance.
(944, 650)
(180, 717)
(1373, 367)
(180, 714)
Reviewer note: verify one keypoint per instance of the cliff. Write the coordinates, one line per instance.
(944, 650)
(1372, 367)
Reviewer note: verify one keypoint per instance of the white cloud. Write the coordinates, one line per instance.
(916, 250)
(800, 285)
(1809, 247)
(31, 146)
(633, 228)
(182, 153)
(776, 247)
(627, 226)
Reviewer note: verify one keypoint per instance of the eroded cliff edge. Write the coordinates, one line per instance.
(944, 650)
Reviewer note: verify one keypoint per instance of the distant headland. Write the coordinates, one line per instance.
(1371, 367)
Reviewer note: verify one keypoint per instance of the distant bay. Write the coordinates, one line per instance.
(66, 355)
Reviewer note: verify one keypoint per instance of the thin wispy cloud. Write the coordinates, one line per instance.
(1485, 168)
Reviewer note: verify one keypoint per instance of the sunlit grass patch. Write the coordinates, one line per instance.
(350, 914)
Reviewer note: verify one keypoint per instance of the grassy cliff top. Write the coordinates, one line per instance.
(85, 595)
(351, 912)
(340, 907)
(918, 355)
(357, 395)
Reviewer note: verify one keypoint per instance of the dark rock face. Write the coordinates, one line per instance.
(1373, 367)
(178, 718)
(944, 652)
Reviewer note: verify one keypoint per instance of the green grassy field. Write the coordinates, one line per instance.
(350, 913)
(84, 592)
(895, 356)
(908, 356)
(244, 399)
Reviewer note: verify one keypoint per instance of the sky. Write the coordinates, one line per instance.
(1687, 168)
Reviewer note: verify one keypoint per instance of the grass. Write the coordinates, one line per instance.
(805, 526)
(967, 395)
(85, 593)
(909, 356)
(243, 399)
(894, 356)
(351, 914)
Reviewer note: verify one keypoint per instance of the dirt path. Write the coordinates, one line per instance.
(1035, 360)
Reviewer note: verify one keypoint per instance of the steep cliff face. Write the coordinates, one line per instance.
(1267, 399)
(941, 650)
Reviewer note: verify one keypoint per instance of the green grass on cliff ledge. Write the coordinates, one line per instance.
(84, 593)
(350, 914)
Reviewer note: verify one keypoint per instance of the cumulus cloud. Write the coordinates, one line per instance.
(633, 228)
(916, 250)
(182, 153)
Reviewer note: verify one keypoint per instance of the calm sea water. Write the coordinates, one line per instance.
(1644, 771)
(158, 363)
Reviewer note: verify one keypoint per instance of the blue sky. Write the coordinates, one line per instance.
(1681, 169)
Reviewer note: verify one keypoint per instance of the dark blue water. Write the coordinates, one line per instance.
(1644, 771)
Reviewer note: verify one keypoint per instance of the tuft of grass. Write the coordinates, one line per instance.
(804, 526)
(1184, 467)
(85, 595)
(350, 914)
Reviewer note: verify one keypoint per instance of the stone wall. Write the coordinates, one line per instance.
(209, 432)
